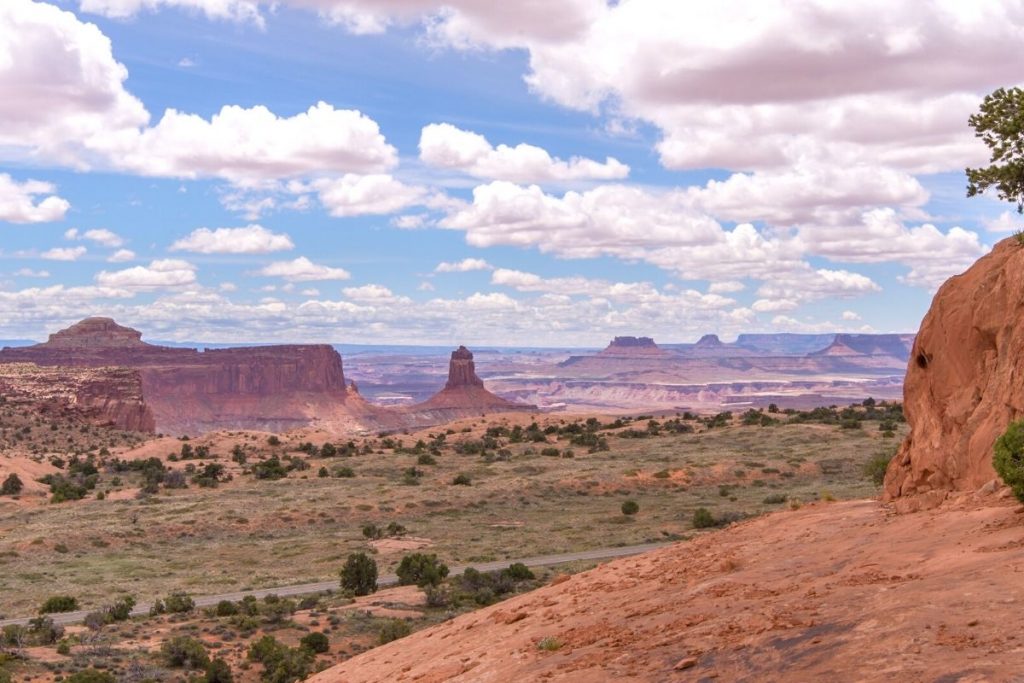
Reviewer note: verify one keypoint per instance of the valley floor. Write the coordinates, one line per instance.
(833, 591)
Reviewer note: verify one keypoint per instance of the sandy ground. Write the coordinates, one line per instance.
(841, 592)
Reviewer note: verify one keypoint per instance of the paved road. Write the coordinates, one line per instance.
(386, 580)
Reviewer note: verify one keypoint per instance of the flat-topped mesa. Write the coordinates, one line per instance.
(631, 347)
(462, 370)
(189, 391)
(94, 333)
(632, 342)
(962, 387)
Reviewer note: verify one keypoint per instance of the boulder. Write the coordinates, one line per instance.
(964, 384)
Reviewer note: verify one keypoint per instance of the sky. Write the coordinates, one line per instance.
(532, 173)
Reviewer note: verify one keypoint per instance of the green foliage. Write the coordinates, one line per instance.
(775, 499)
(630, 507)
(461, 480)
(703, 519)
(91, 676)
(1000, 125)
(393, 629)
(174, 603)
(59, 603)
(226, 608)
(121, 609)
(874, 469)
(271, 468)
(359, 575)
(421, 569)
(315, 642)
(218, 671)
(185, 651)
(12, 485)
(1008, 458)
(281, 664)
(519, 572)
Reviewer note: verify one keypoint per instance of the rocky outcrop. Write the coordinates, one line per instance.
(462, 370)
(107, 397)
(963, 383)
(463, 393)
(263, 387)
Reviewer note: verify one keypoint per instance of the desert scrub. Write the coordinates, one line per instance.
(549, 644)
(874, 469)
(1008, 458)
(393, 629)
(703, 519)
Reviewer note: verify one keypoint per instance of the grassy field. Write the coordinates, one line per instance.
(237, 511)
(249, 533)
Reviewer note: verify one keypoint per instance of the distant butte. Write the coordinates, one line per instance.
(464, 391)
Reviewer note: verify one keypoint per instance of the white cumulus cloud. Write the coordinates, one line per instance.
(251, 239)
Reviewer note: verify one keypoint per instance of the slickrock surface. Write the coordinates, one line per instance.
(964, 382)
(831, 592)
(101, 396)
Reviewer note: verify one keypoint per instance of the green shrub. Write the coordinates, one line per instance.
(281, 664)
(461, 480)
(359, 575)
(121, 609)
(185, 651)
(630, 507)
(393, 629)
(421, 569)
(59, 603)
(775, 499)
(315, 642)
(1008, 458)
(218, 671)
(874, 469)
(518, 572)
(174, 603)
(12, 485)
(226, 608)
(703, 519)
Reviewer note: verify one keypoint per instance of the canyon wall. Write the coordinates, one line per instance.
(264, 387)
(107, 397)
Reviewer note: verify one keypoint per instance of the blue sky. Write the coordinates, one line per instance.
(680, 176)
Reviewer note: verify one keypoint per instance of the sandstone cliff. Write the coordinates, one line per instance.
(101, 396)
(963, 384)
(268, 387)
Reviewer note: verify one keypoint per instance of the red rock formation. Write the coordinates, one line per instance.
(464, 392)
(101, 396)
(828, 592)
(462, 370)
(963, 384)
(631, 347)
(264, 387)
